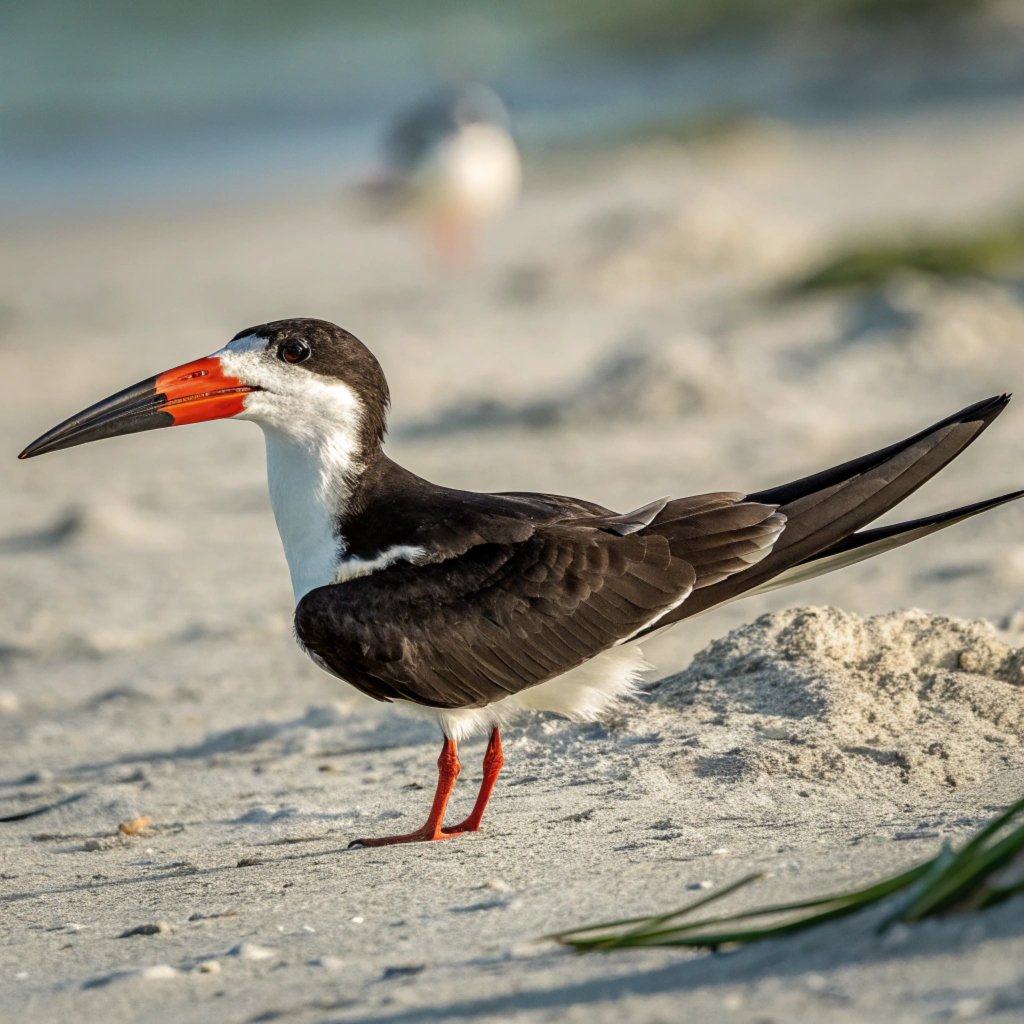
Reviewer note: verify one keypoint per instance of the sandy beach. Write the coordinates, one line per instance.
(621, 338)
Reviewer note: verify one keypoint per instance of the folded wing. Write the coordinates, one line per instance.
(527, 601)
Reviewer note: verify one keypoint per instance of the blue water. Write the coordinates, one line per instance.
(113, 101)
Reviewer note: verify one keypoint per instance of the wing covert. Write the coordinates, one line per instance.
(500, 603)
(499, 617)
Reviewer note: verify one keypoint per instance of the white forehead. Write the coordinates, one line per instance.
(248, 359)
(246, 343)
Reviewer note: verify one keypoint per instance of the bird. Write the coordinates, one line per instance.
(451, 163)
(473, 607)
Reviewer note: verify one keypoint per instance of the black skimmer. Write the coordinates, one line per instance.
(452, 164)
(476, 606)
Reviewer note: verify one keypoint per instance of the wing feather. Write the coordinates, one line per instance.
(498, 607)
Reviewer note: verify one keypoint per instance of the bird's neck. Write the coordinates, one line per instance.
(311, 483)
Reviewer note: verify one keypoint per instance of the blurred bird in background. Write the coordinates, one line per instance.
(451, 165)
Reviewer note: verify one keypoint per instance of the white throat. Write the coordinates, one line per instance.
(312, 428)
(308, 491)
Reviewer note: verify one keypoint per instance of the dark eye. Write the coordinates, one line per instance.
(294, 351)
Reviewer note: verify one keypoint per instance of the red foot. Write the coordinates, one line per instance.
(457, 830)
(421, 835)
(447, 772)
(448, 768)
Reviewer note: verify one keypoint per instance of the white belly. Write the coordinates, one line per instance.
(583, 694)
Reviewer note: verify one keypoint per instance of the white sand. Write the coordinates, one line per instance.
(147, 665)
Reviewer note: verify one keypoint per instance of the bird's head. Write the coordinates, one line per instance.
(308, 381)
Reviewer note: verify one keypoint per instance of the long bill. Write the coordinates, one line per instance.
(190, 393)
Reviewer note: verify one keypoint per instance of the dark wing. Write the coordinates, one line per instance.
(558, 505)
(417, 131)
(526, 602)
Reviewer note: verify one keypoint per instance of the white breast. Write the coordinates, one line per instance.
(476, 171)
(304, 509)
(307, 493)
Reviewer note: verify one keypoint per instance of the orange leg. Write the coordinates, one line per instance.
(448, 767)
(493, 760)
(452, 239)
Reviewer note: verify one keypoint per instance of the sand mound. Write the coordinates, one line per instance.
(822, 694)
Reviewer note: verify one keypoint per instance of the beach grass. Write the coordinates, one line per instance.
(985, 871)
(970, 253)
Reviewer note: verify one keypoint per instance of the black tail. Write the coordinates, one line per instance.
(825, 511)
(868, 543)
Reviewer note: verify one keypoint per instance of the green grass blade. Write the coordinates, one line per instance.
(963, 873)
(948, 866)
(935, 885)
(1001, 893)
(691, 936)
(984, 250)
(645, 919)
(652, 923)
(933, 869)
(827, 907)
(994, 826)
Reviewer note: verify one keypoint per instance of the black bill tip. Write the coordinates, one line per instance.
(129, 411)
